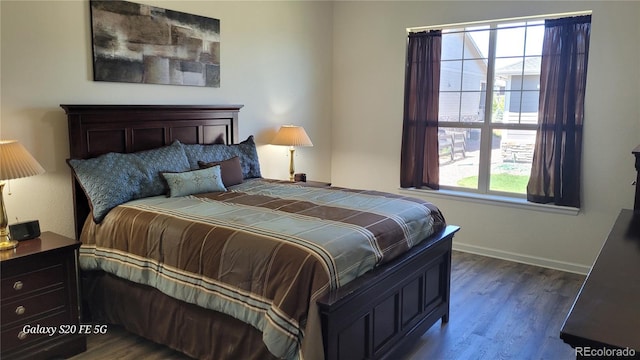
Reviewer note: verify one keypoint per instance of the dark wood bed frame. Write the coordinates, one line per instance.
(377, 316)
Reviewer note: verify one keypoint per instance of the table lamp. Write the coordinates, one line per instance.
(15, 163)
(292, 136)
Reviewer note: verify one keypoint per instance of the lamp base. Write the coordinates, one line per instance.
(8, 245)
(5, 240)
(291, 167)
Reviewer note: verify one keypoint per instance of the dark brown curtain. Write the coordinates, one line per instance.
(555, 172)
(419, 154)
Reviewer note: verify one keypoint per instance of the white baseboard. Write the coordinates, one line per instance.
(525, 259)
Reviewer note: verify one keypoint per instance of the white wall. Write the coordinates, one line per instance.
(369, 56)
(275, 59)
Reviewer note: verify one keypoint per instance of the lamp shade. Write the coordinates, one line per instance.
(291, 135)
(16, 162)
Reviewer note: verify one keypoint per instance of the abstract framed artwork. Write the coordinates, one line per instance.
(138, 43)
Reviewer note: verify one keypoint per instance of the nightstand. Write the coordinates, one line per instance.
(39, 293)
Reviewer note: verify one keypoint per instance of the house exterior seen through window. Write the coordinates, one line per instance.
(488, 111)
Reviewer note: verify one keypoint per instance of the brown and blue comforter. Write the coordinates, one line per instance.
(262, 252)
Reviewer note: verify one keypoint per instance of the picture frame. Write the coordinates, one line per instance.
(137, 43)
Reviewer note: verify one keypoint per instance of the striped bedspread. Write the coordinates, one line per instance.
(262, 252)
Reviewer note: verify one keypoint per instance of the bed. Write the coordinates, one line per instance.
(374, 309)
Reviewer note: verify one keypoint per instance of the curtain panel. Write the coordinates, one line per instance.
(556, 167)
(419, 164)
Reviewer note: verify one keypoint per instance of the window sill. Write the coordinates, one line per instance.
(492, 200)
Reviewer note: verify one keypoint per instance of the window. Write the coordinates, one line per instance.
(488, 107)
(470, 101)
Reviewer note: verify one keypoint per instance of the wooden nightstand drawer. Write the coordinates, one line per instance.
(29, 308)
(25, 283)
(16, 336)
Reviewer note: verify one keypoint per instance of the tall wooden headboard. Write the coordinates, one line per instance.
(98, 129)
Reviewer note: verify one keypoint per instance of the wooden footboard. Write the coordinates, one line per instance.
(392, 307)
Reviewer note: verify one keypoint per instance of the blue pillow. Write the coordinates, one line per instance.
(170, 158)
(194, 182)
(108, 180)
(114, 178)
(245, 150)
